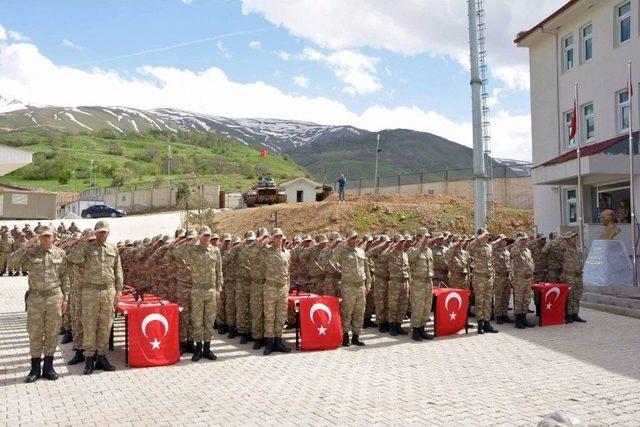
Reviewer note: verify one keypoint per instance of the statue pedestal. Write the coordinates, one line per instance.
(608, 264)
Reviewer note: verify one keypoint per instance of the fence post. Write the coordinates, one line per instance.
(360, 187)
(151, 197)
(398, 184)
(133, 197)
(421, 183)
(446, 182)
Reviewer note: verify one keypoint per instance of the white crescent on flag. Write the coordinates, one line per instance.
(152, 318)
(554, 290)
(319, 306)
(450, 296)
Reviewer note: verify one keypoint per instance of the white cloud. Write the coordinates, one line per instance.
(12, 35)
(3, 33)
(222, 49)
(357, 71)
(71, 45)
(26, 75)
(186, 1)
(411, 27)
(285, 56)
(256, 45)
(302, 81)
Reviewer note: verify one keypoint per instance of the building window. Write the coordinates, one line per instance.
(589, 125)
(566, 121)
(571, 205)
(587, 43)
(622, 100)
(624, 22)
(567, 44)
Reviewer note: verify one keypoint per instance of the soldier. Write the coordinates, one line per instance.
(230, 258)
(38, 228)
(310, 259)
(539, 259)
(381, 283)
(298, 270)
(182, 290)
(572, 264)
(482, 264)
(356, 283)
(256, 256)
(205, 263)
(553, 252)
(62, 229)
(14, 231)
(421, 265)
(398, 288)
(223, 319)
(502, 280)
(48, 298)
(101, 286)
(331, 284)
(243, 287)
(440, 269)
(522, 268)
(73, 228)
(276, 292)
(457, 260)
(28, 232)
(7, 245)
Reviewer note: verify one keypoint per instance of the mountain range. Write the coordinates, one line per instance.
(324, 150)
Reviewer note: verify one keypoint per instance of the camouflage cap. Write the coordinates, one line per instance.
(367, 238)
(101, 226)
(205, 231)
(146, 241)
(446, 234)
(249, 235)
(351, 234)
(335, 236)
(398, 238)
(215, 236)
(540, 236)
(191, 234)
(46, 230)
(570, 234)
(127, 242)
(306, 238)
(481, 232)
(456, 238)
(521, 235)
(422, 232)
(408, 237)
(297, 238)
(437, 235)
(277, 232)
(166, 238)
(235, 240)
(262, 232)
(321, 238)
(180, 232)
(500, 237)
(383, 238)
(226, 236)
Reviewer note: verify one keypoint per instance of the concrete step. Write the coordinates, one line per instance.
(612, 304)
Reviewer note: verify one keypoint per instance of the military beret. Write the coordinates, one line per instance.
(101, 226)
(321, 238)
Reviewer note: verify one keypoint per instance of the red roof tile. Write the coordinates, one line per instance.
(585, 151)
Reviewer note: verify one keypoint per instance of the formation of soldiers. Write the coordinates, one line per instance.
(241, 285)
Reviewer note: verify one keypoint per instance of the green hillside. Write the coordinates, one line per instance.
(64, 162)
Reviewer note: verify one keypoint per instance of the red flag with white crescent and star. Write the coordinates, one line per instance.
(263, 153)
(320, 323)
(451, 310)
(553, 298)
(153, 334)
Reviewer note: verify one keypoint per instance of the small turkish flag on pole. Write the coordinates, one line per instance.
(320, 323)
(263, 153)
(574, 120)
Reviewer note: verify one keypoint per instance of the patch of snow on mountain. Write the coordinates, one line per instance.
(134, 124)
(73, 119)
(115, 127)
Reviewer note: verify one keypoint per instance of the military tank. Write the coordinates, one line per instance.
(265, 192)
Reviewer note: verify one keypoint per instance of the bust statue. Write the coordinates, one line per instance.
(608, 220)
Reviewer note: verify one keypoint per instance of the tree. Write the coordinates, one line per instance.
(64, 176)
(115, 149)
(120, 177)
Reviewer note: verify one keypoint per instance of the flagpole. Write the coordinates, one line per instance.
(577, 138)
(631, 184)
(375, 182)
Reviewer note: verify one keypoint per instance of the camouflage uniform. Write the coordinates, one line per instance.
(380, 288)
(440, 268)
(331, 283)
(421, 265)
(7, 245)
(554, 251)
(276, 290)
(502, 282)
(310, 258)
(356, 282)
(256, 304)
(182, 291)
(398, 288)
(457, 260)
(482, 264)
(243, 285)
(572, 275)
(522, 269)
(229, 259)
(539, 262)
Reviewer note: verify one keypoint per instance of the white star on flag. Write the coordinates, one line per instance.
(322, 330)
(548, 306)
(452, 316)
(155, 344)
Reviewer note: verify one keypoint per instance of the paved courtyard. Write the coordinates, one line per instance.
(513, 378)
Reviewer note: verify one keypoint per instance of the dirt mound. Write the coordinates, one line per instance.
(374, 214)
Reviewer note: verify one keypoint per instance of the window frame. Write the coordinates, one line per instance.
(565, 51)
(620, 106)
(583, 42)
(584, 122)
(568, 202)
(618, 22)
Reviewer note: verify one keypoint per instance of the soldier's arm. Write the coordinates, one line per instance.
(367, 273)
(63, 274)
(76, 255)
(117, 271)
(18, 257)
(219, 279)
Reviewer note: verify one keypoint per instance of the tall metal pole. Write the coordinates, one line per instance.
(631, 184)
(375, 182)
(479, 173)
(577, 138)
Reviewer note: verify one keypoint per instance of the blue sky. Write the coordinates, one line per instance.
(360, 62)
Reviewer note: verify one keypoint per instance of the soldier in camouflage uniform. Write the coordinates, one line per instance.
(398, 288)
(540, 264)
(502, 280)
(310, 259)
(243, 287)
(522, 270)
(101, 285)
(182, 289)
(298, 270)
(256, 304)
(48, 297)
(373, 252)
(331, 283)
(457, 260)
(356, 282)
(553, 252)
(482, 264)
(276, 292)
(225, 317)
(440, 268)
(421, 272)
(205, 263)
(572, 265)
(7, 246)
(28, 232)
(381, 284)
(229, 266)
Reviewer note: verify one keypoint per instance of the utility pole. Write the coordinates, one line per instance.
(375, 179)
(479, 172)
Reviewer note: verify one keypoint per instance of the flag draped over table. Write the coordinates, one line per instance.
(553, 297)
(153, 334)
(451, 310)
(320, 323)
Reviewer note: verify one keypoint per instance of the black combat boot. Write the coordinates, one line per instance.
(577, 318)
(244, 338)
(10, 274)
(507, 319)
(526, 323)
(34, 373)
(383, 327)
(278, 345)
(62, 331)
(480, 327)
(183, 347)
(393, 331)
(345, 339)
(88, 366)
(367, 322)
(24, 273)
(47, 369)
(67, 337)
(206, 351)
(77, 358)
(500, 320)
(233, 332)
(258, 343)
(197, 354)
(486, 326)
(223, 328)
(400, 330)
(103, 364)
(189, 348)
(355, 340)
(268, 346)
(568, 318)
(519, 324)
(415, 334)
(425, 335)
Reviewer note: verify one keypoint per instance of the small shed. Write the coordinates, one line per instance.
(300, 189)
(17, 203)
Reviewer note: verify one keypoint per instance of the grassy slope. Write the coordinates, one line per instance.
(234, 166)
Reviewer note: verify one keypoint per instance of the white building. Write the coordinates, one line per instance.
(588, 42)
(300, 189)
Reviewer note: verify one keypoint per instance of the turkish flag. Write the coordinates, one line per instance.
(574, 120)
(320, 323)
(153, 334)
(263, 153)
(553, 297)
(451, 310)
